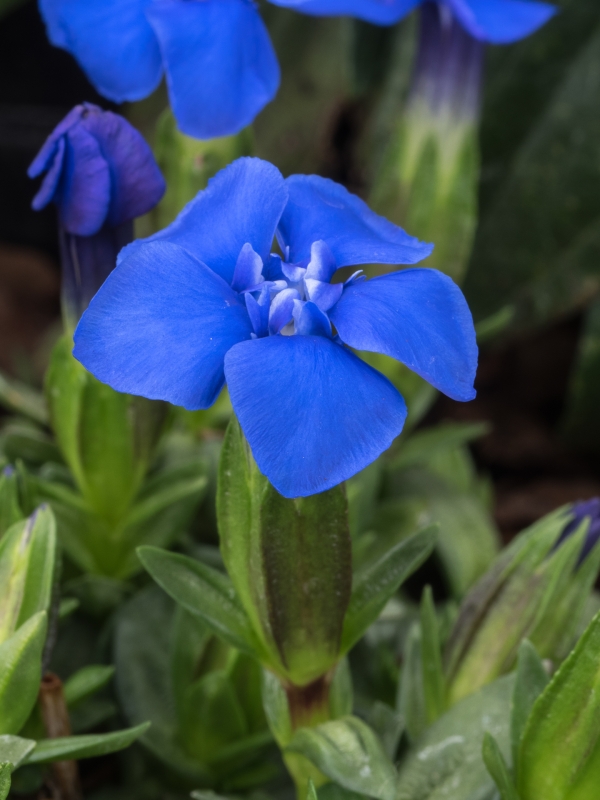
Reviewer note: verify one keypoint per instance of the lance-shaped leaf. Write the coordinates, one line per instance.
(20, 673)
(530, 682)
(559, 756)
(434, 684)
(446, 761)
(348, 752)
(203, 591)
(27, 570)
(10, 509)
(14, 749)
(375, 583)
(86, 681)
(496, 766)
(410, 700)
(75, 747)
(5, 770)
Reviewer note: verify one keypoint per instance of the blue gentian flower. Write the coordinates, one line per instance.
(493, 21)
(219, 62)
(205, 301)
(101, 174)
(584, 509)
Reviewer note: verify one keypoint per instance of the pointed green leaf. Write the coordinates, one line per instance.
(75, 747)
(375, 583)
(5, 770)
(15, 749)
(559, 757)
(203, 591)
(10, 509)
(20, 673)
(434, 684)
(410, 701)
(446, 761)
(311, 794)
(496, 766)
(348, 752)
(27, 570)
(530, 682)
(86, 681)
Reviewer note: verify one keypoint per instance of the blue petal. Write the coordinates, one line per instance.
(112, 41)
(160, 327)
(282, 308)
(419, 317)
(313, 413)
(83, 196)
(321, 209)
(309, 320)
(258, 311)
(379, 12)
(242, 204)
(324, 295)
(322, 266)
(50, 183)
(220, 63)
(136, 181)
(501, 21)
(42, 161)
(248, 269)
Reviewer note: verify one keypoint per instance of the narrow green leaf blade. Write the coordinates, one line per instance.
(434, 684)
(496, 766)
(348, 752)
(5, 770)
(203, 591)
(87, 746)
(86, 681)
(559, 755)
(376, 583)
(15, 749)
(530, 682)
(311, 793)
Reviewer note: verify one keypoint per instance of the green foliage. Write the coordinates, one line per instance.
(5, 770)
(348, 752)
(87, 746)
(374, 583)
(530, 682)
(533, 591)
(496, 766)
(20, 672)
(202, 697)
(446, 761)
(537, 242)
(434, 684)
(10, 507)
(188, 164)
(559, 754)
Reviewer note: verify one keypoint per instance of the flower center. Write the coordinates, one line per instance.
(288, 298)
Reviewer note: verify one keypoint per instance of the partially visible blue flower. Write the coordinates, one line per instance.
(493, 21)
(101, 174)
(219, 62)
(205, 301)
(584, 510)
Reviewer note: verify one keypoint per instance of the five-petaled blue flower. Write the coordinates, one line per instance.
(99, 170)
(219, 62)
(205, 301)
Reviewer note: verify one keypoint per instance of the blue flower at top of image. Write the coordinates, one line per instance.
(99, 170)
(205, 301)
(493, 21)
(217, 56)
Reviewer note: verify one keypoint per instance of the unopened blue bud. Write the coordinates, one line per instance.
(582, 510)
(101, 174)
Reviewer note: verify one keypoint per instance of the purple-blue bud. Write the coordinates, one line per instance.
(584, 509)
(99, 170)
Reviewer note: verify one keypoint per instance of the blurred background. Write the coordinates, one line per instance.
(535, 264)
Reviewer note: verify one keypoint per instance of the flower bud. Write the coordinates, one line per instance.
(536, 589)
(101, 175)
